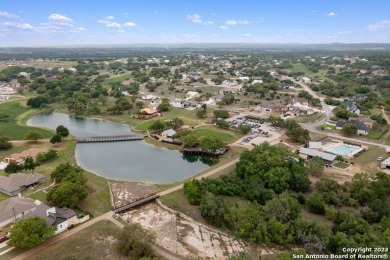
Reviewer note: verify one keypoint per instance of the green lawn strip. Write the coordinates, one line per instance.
(309, 119)
(342, 165)
(374, 134)
(12, 128)
(118, 78)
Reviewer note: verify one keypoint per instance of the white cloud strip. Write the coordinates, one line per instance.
(379, 26)
(8, 15)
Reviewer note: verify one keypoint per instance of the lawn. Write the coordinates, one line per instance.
(368, 159)
(309, 119)
(372, 134)
(298, 67)
(94, 242)
(118, 78)
(12, 128)
(228, 136)
(342, 165)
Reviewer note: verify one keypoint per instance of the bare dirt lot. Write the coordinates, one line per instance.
(123, 193)
(184, 236)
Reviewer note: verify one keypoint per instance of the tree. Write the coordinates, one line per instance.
(134, 242)
(4, 117)
(30, 164)
(191, 140)
(62, 130)
(164, 105)
(315, 165)
(13, 167)
(37, 102)
(298, 134)
(245, 128)
(158, 126)
(201, 114)
(349, 129)
(228, 99)
(4, 143)
(103, 99)
(222, 123)
(33, 135)
(176, 123)
(221, 114)
(212, 144)
(29, 232)
(67, 172)
(67, 194)
(57, 138)
(316, 204)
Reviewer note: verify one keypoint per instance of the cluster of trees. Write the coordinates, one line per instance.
(342, 112)
(134, 242)
(161, 125)
(263, 199)
(5, 144)
(29, 232)
(71, 186)
(221, 114)
(191, 139)
(294, 131)
(46, 156)
(164, 105)
(28, 164)
(61, 132)
(313, 101)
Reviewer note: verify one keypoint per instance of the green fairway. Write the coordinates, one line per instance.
(11, 128)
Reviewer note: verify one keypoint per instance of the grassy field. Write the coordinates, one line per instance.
(12, 128)
(298, 67)
(342, 165)
(118, 78)
(51, 64)
(372, 134)
(228, 136)
(309, 119)
(94, 242)
(367, 160)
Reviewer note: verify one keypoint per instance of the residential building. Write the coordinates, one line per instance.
(61, 218)
(149, 98)
(147, 113)
(351, 106)
(362, 129)
(15, 183)
(192, 94)
(15, 208)
(20, 157)
(169, 133)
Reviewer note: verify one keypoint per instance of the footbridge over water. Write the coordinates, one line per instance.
(111, 138)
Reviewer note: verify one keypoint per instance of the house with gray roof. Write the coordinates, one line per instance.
(168, 133)
(61, 218)
(15, 208)
(351, 106)
(17, 182)
(362, 129)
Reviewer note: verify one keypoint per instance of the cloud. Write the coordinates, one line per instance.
(129, 24)
(110, 17)
(8, 15)
(248, 35)
(235, 22)
(223, 27)
(196, 18)
(80, 29)
(331, 14)
(59, 17)
(21, 26)
(113, 25)
(379, 26)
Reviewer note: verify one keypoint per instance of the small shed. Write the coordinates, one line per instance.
(168, 133)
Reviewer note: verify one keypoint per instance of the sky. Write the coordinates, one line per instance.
(69, 22)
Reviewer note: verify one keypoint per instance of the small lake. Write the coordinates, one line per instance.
(135, 161)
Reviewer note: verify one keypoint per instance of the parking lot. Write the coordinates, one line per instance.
(260, 131)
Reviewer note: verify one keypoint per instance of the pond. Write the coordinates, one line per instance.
(135, 161)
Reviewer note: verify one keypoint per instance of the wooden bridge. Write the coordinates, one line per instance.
(113, 138)
(136, 203)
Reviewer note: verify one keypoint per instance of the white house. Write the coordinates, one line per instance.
(192, 94)
(243, 78)
(169, 133)
(150, 97)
